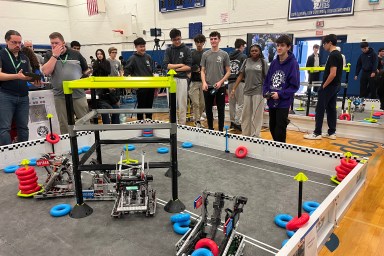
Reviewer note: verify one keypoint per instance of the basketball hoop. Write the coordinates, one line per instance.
(118, 30)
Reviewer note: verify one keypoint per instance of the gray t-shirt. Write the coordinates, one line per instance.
(115, 67)
(70, 66)
(215, 64)
(253, 76)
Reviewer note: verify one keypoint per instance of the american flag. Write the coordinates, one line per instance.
(92, 7)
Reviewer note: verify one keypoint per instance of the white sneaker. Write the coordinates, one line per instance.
(198, 125)
(331, 137)
(312, 136)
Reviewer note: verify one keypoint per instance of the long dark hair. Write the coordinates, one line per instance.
(102, 52)
(32, 58)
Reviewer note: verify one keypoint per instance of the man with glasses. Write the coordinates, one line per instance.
(116, 67)
(13, 89)
(179, 58)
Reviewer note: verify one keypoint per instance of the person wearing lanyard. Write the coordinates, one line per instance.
(13, 89)
(65, 64)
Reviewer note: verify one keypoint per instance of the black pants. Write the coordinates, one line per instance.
(145, 100)
(278, 122)
(220, 103)
(314, 77)
(367, 85)
(109, 118)
(326, 101)
(380, 88)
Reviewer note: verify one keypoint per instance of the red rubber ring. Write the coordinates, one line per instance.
(341, 171)
(22, 171)
(56, 138)
(208, 243)
(297, 222)
(350, 164)
(27, 192)
(28, 187)
(340, 177)
(345, 116)
(311, 114)
(27, 177)
(241, 152)
(28, 182)
(151, 132)
(346, 169)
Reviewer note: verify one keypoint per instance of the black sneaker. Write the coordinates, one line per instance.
(238, 127)
(232, 126)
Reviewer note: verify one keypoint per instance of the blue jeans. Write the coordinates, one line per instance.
(13, 108)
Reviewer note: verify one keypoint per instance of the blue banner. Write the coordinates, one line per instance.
(307, 9)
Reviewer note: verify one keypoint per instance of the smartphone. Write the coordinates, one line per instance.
(33, 76)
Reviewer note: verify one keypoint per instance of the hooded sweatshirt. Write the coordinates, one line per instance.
(178, 55)
(283, 78)
(236, 59)
(139, 65)
(367, 61)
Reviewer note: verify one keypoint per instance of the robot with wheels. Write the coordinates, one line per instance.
(231, 243)
(59, 182)
(134, 193)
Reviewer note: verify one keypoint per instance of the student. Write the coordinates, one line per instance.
(196, 91)
(367, 62)
(214, 71)
(236, 102)
(380, 77)
(327, 93)
(75, 45)
(179, 58)
(254, 69)
(140, 64)
(280, 85)
(314, 61)
(116, 67)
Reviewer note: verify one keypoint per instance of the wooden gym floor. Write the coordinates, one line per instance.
(361, 231)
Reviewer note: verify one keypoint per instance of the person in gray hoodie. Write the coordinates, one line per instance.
(367, 62)
(179, 58)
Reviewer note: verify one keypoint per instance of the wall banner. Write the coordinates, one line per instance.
(307, 9)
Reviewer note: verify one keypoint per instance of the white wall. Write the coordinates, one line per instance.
(34, 20)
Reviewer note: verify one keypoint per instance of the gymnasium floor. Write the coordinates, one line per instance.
(270, 189)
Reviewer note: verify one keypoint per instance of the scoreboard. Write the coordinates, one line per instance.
(176, 5)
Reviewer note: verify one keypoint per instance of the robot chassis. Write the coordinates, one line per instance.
(232, 243)
(128, 187)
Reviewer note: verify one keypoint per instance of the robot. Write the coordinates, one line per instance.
(134, 194)
(59, 181)
(231, 243)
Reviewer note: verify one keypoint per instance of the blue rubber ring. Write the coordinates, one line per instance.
(202, 252)
(162, 150)
(60, 210)
(147, 130)
(181, 227)
(187, 144)
(32, 161)
(85, 149)
(130, 147)
(310, 206)
(11, 168)
(281, 220)
(80, 151)
(147, 135)
(284, 242)
(130, 100)
(290, 233)
(180, 217)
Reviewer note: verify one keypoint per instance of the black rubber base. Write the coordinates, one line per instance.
(226, 151)
(169, 173)
(81, 211)
(174, 206)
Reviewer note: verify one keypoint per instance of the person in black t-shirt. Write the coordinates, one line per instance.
(327, 93)
(380, 77)
(196, 90)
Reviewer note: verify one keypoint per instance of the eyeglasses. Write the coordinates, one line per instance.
(15, 42)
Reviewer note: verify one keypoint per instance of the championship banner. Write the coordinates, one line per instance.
(308, 9)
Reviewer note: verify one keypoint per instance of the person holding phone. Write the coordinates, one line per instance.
(65, 64)
(13, 89)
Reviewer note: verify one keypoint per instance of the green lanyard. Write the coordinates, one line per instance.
(65, 60)
(13, 63)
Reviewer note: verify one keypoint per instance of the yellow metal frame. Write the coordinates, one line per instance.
(122, 82)
(313, 69)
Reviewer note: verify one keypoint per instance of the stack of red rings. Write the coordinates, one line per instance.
(345, 167)
(27, 180)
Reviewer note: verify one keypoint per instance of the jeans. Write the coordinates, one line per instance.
(326, 101)
(13, 108)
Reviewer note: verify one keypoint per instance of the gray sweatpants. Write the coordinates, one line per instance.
(252, 117)
(236, 103)
(197, 98)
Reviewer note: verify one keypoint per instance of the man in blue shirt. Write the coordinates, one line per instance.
(13, 89)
